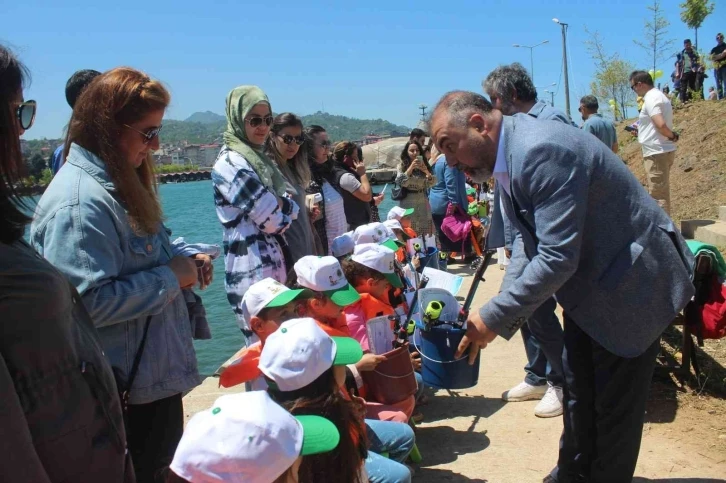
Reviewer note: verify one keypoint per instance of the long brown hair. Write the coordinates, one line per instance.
(297, 169)
(117, 97)
(322, 397)
(13, 75)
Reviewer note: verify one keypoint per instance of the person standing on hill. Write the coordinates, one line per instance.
(718, 55)
(595, 124)
(656, 136)
(512, 91)
(75, 85)
(352, 183)
(687, 68)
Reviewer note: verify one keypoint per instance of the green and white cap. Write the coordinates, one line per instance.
(248, 437)
(396, 213)
(300, 351)
(380, 259)
(267, 293)
(324, 274)
(375, 232)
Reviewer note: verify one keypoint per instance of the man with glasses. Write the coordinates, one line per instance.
(656, 136)
(718, 55)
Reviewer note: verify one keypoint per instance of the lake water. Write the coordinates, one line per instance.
(189, 211)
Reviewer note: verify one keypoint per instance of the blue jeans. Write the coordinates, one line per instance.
(420, 384)
(542, 334)
(396, 439)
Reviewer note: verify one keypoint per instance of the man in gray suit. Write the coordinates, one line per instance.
(511, 90)
(602, 246)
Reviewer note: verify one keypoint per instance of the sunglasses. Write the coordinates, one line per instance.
(633, 85)
(26, 114)
(256, 121)
(288, 138)
(324, 144)
(148, 135)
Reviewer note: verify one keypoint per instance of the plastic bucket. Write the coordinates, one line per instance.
(439, 368)
(431, 259)
(392, 380)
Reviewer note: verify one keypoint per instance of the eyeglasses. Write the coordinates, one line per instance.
(324, 144)
(632, 86)
(256, 121)
(288, 138)
(148, 135)
(26, 114)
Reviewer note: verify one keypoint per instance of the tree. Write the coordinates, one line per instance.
(694, 12)
(36, 165)
(612, 76)
(656, 42)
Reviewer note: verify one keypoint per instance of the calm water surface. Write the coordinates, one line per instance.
(189, 211)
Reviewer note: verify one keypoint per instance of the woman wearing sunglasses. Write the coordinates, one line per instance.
(100, 223)
(61, 419)
(284, 146)
(252, 201)
(332, 222)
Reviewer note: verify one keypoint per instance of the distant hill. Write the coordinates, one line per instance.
(206, 117)
(206, 127)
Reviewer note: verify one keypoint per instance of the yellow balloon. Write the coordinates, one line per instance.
(658, 74)
(611, 102)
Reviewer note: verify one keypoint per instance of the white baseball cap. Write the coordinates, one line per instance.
(343, 245)
(396, 213)
(375, 232)
(300, 351)
(379, 258)
(249, 438)
(266, 293)
(324, 274)
(394, 224)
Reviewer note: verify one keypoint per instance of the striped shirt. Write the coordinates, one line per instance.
(251, 217)
(335, 222)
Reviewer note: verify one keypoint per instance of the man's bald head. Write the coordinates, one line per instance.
(466, 128)
(460, 105)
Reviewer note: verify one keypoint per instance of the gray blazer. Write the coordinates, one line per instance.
(593, 236)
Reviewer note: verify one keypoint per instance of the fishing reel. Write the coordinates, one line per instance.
(432, 313)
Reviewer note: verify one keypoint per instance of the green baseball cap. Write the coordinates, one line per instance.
(320, 435)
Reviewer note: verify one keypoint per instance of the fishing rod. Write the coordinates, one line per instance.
(478, 277)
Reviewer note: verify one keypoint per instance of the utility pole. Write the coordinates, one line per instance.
(423, 108)
(564, 63)
(552, 95)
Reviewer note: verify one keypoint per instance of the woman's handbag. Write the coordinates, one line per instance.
(457, 224)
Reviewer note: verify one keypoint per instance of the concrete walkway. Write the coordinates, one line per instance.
(472, 435)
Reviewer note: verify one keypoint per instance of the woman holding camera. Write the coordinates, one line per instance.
(414, 174)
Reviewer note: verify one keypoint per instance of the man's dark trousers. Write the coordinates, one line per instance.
(604, 402)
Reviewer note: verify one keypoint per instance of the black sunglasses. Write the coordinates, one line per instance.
(256, 121)
(288, 138)
(148, 135)
(26, 114)
(324, 144)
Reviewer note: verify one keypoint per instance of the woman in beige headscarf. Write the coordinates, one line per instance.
(251, 201)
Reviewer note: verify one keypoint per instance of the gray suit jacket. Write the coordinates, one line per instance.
(593, 236)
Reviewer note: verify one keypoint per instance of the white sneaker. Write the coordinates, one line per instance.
(524, 392)
(551, 404)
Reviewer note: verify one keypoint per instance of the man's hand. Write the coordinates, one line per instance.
(416, 360)
(205, 270)
(477, 337)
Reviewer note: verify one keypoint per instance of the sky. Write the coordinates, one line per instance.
(372, 59)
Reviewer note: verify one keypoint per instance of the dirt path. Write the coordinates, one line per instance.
(473, 435)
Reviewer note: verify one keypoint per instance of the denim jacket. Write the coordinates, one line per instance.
(82, 228)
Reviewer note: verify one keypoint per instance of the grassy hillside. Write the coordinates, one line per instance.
(698, 175)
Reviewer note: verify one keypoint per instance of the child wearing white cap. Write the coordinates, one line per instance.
(376, 232)
(403, 215)
(305, 370)
(248, 438)
(265, 305)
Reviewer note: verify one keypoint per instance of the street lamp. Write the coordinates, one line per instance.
(564, 63)
(552, 94)
(548, 91)
(531, 56)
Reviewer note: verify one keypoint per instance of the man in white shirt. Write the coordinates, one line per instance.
(656, 136)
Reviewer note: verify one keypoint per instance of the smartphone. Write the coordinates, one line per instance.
(630, 129)
(313, 200)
